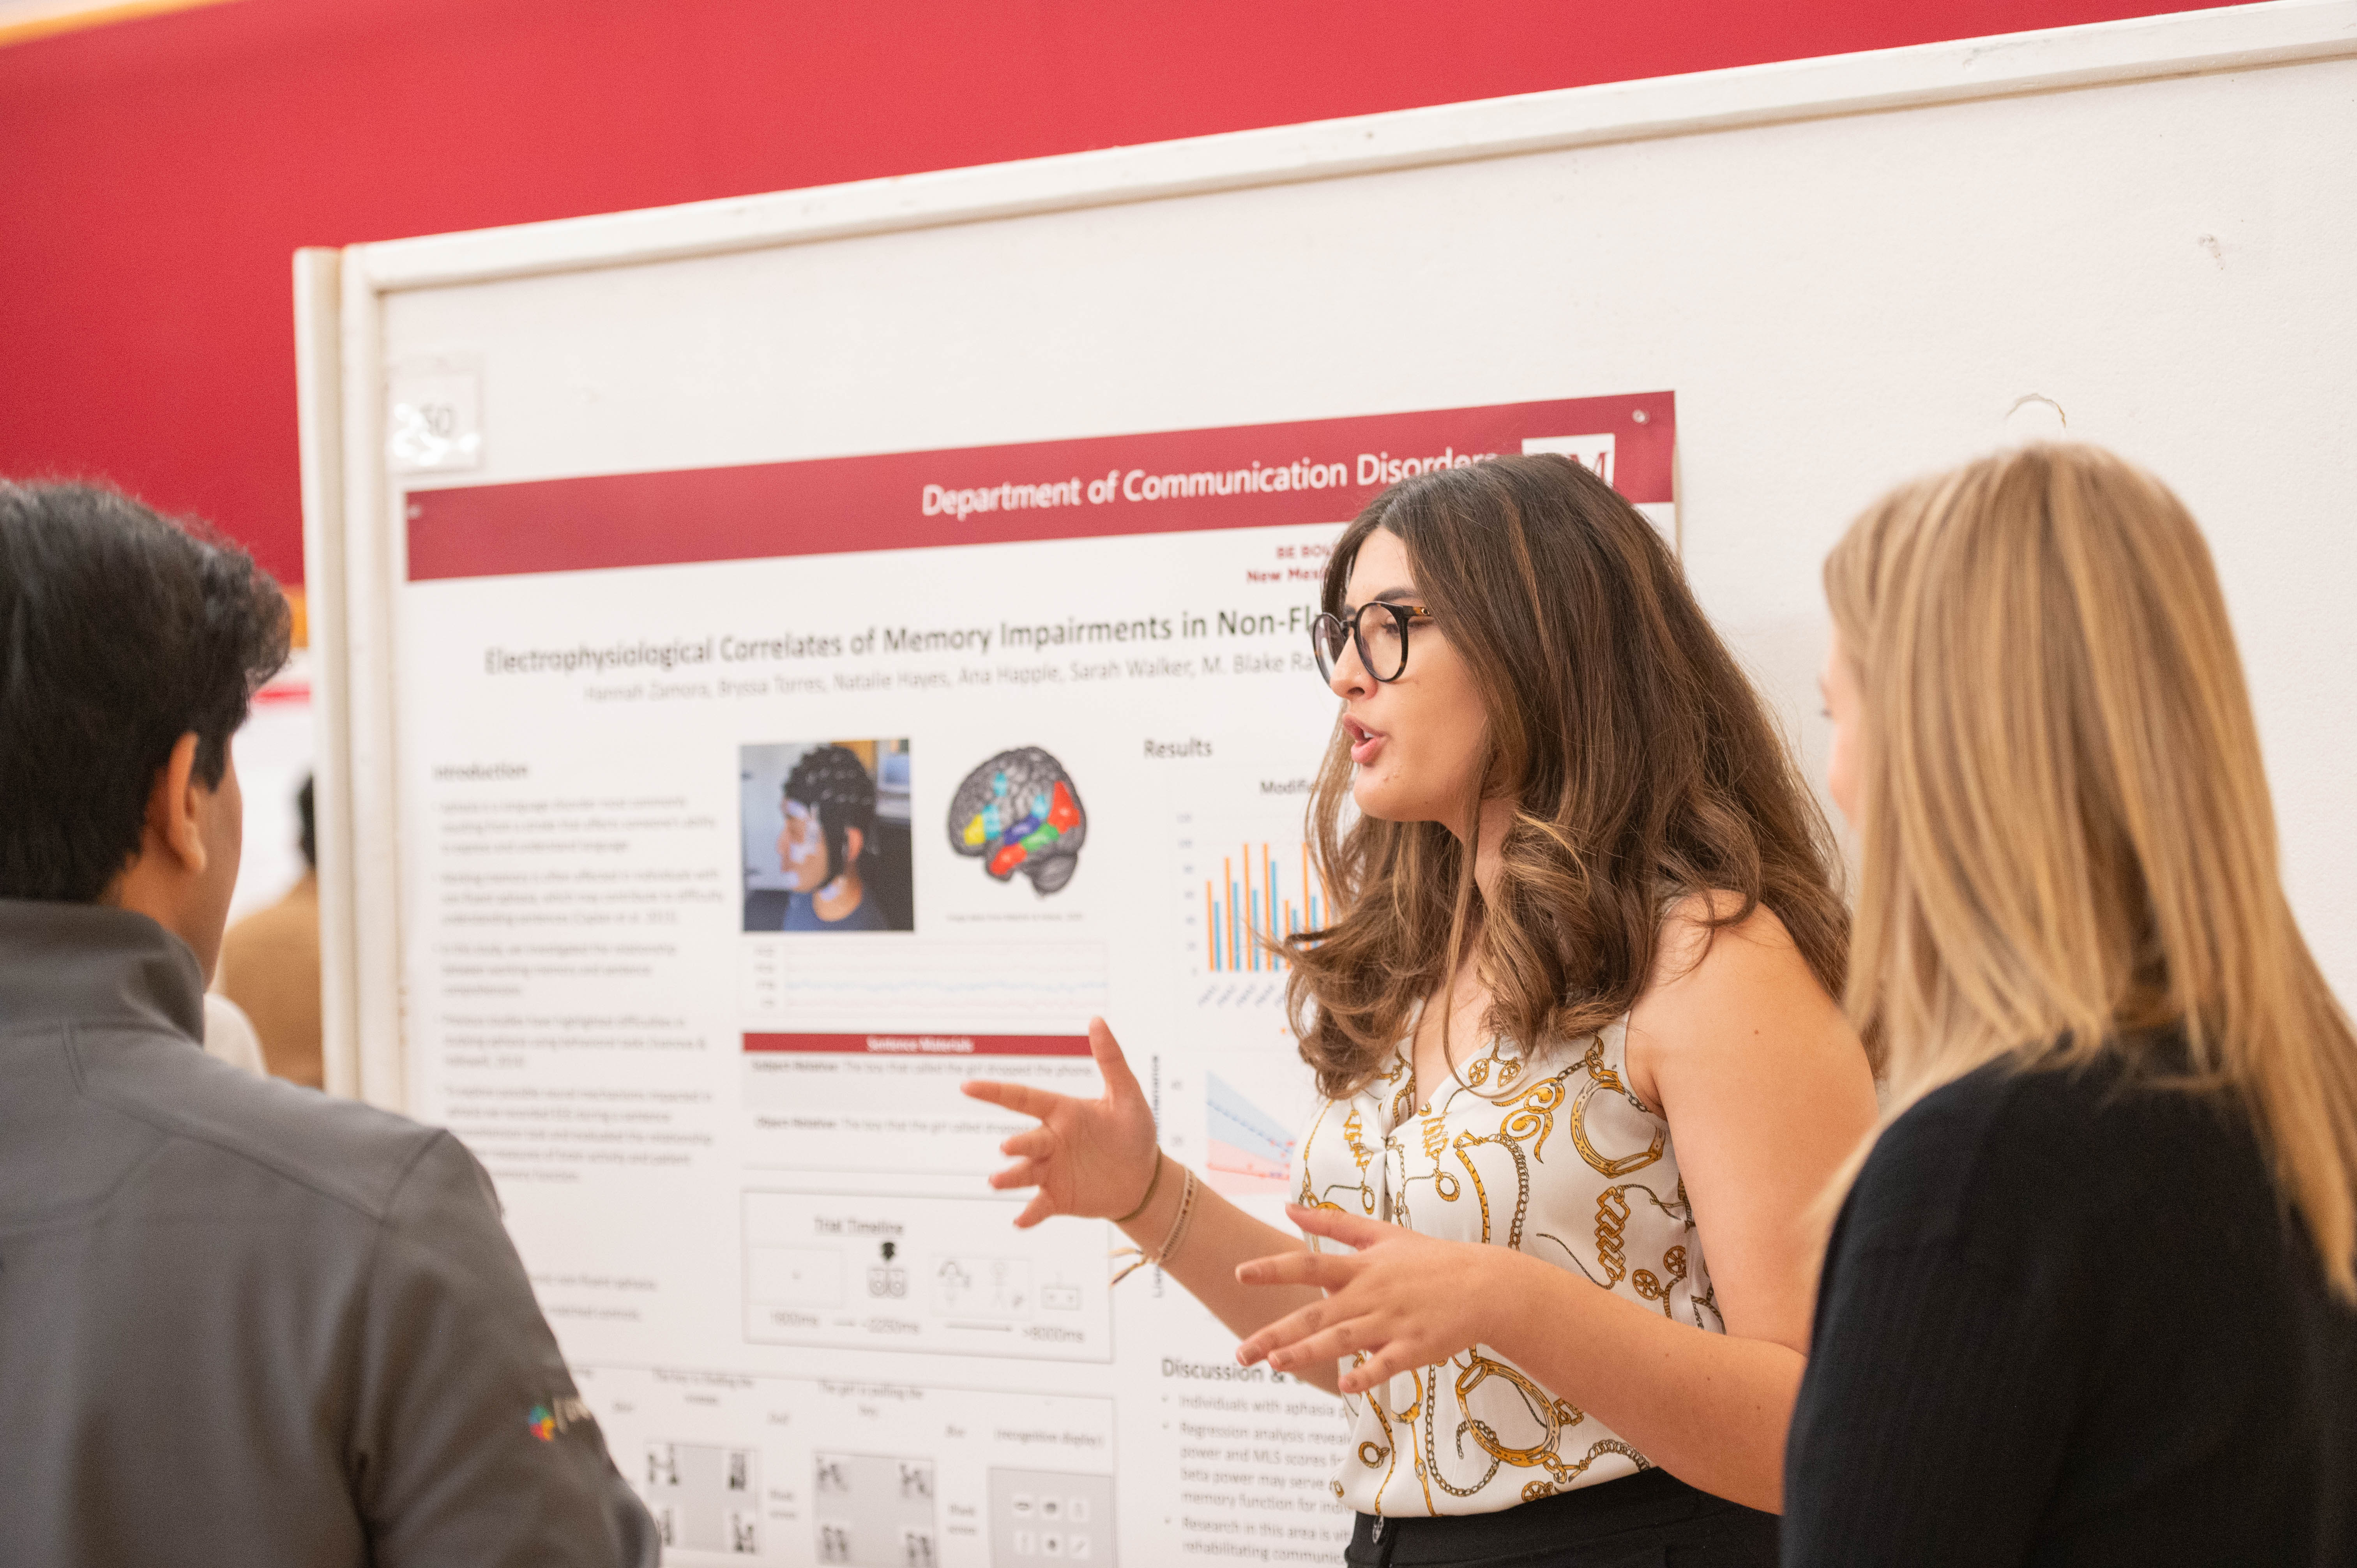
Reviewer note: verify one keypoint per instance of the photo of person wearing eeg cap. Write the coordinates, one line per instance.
(827, 836)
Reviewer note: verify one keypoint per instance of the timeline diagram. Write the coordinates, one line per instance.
(860, 1272)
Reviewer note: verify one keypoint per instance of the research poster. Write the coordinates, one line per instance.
(745, 813)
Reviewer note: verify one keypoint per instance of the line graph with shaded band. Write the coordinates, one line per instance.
(1248, 1149)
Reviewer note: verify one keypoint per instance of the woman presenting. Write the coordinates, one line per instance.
(1583, 1073)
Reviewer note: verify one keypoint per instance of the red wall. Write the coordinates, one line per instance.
(155, 175)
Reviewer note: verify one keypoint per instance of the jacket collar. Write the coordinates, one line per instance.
(87, 962)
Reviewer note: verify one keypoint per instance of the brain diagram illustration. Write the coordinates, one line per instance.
(1019, 813)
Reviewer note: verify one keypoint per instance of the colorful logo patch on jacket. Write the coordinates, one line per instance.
(557, 1416)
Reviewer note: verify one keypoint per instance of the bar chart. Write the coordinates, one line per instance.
(1242, 881)
(1251, 891)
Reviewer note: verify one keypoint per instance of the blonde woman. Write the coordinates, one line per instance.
(2090, 1298)
(1583, 1072)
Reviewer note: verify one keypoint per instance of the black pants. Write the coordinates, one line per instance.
(1650, 1519)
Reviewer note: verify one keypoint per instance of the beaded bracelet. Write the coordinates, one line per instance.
(1139, 1257)
(1171, 1243)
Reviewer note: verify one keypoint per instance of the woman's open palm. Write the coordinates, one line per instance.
(1088, 1157)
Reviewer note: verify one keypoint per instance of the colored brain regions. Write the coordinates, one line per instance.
(1019, 814)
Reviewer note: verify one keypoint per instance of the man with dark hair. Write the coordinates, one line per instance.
(240, 1322)
(830, 810)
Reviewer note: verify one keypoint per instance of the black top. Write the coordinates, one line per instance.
(2064, 1320)
(243, 1323)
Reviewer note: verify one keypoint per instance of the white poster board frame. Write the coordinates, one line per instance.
(352, 531)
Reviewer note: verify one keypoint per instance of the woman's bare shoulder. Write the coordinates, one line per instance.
(1703, 943)
(1714, 985)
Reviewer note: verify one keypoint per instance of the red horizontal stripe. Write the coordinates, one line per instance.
(829, 505)
(925, 1045)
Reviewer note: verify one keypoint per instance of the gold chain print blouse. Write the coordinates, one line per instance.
(1556, 1158)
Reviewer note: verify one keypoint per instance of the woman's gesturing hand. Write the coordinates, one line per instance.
(1090, 1157)
(1402, 1300)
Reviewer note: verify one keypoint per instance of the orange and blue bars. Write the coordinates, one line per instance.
(1237, 907)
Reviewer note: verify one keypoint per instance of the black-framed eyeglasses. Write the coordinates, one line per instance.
(1380, 631)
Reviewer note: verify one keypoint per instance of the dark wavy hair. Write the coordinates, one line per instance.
(120, 632)
(1642, 764)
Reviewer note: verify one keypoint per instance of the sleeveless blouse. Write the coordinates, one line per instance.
(1557, 1159)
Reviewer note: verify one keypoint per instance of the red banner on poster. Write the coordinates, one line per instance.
(924, 1044)
(1246, 475)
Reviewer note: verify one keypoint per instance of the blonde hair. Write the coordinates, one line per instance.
(2064, 824)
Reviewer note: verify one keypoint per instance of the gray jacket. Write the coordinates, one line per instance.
(242, 1323)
